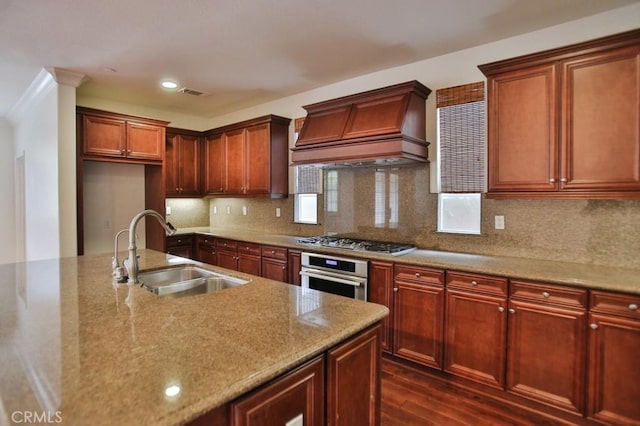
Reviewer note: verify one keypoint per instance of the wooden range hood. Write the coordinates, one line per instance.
(380, 127)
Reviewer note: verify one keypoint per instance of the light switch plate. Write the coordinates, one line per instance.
(244, 210)
(278, 213)
(499, 222)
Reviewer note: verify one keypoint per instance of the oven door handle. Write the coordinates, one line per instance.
(355, 281)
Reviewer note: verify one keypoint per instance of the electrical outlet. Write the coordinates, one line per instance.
(215, 209)
(168, 210)
(499, 222)
(278, 213)
(228, 209)
(296, 421)
(244, 210)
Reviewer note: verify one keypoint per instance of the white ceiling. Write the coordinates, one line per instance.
(246, 52)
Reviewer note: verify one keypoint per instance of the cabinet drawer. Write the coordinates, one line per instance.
(249, 248)
(481, 283)
(222, 243)
(179, 241)
(549, 294)
(274, 252)
(616, 304)
(419, 275)
(205, 240)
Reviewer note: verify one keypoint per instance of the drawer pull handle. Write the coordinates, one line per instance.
(563, 180)
(417, 274)
(545, 294)
(500, 309)
(474, 283)
(633, 307)
(512, 311)
(593, 326)
(552, 180)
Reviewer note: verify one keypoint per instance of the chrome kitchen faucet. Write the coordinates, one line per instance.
(131, 262)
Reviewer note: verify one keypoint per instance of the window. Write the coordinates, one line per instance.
(386, 199)
(307, 186)
(461, 116)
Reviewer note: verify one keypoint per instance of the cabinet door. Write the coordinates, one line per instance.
(545, 360)
(522, 123)
(215, 165)
(300, 393)
(476, 337)
(189, 166)
(249, 264)
(171, 168)
(104, 136)
(353, 381)
(614, 376)
(294, 266)
(601, 134)
(207, 254)
(257, 160)
(274, 269)
(381, 291)
(418, 322)
(227, 259)
(234, 162)
(145, 141)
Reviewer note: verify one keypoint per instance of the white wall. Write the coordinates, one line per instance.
(43, 124)
(36, 137)
(7, 211)
(113, 194)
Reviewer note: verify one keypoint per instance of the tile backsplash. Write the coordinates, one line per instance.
(395, 205)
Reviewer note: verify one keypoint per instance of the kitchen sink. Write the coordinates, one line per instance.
(186, 281)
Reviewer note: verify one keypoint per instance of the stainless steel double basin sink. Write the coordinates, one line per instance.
(186, 280)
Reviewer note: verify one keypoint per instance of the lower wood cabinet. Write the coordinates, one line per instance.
(238, 256)
(613, 388)
(353, 381)
(181, 245)
(274, 263)
(476, 328)
(206, 249)
(381, 291)
(339, 388)
(299, 394)
(294, 265)
(419, 314)
(547, 339)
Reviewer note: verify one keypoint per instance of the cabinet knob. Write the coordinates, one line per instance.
(500, 309)
(122, 151)
(552, 180)
(417, 274)
(593, 326)
(563, 180)
(395, 289)
(545, 294)
(474, 283)
(273, 252)
(129, 151)
(512, 311)
(284, 267)
(633, 307)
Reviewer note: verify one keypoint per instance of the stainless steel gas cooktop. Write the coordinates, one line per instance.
(395, 249)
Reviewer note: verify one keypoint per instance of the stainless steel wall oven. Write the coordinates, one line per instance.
(333, 274)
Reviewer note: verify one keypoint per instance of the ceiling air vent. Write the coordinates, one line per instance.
(190, 91)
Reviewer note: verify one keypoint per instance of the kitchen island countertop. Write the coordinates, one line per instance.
(598, 277)
(79, 349)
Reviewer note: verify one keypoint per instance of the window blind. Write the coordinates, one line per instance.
(462, 138)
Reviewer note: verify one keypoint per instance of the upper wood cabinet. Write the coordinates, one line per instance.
(182, 163)
(248, 159)
(565, 123)
(106, 136)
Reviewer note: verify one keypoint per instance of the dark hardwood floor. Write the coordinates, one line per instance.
(412, 397)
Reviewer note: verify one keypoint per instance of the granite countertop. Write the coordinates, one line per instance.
(566, 273)
(83, 350)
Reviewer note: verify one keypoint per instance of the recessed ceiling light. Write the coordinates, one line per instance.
(169, 84)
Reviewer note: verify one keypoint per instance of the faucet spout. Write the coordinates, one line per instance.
(132, 261)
